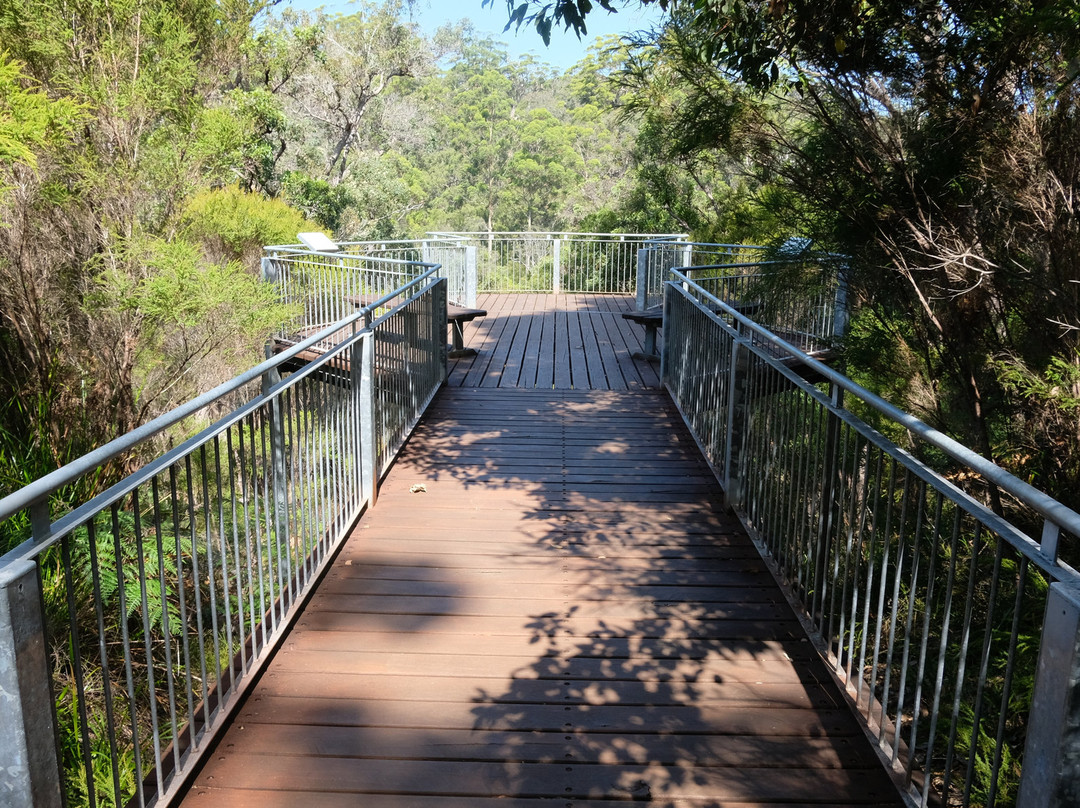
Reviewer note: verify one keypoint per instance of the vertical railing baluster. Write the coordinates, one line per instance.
(166, 625)
(244, 623)
(286, 497)
(890, 648)
(871, 515)
(103, 656)
(882, 614)
(144, 608)
(924, 639)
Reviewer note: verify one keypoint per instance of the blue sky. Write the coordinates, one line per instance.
(565, 48)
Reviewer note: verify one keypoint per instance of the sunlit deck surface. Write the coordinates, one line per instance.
(555, 342)
(564, 615)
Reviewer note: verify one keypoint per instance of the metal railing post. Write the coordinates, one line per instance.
(368, 426)
(736, 432)
(438, 304)
(470, 277)
(29, 771)
(269, 269)
(840, 303)
(1051, 774)
(556, 269)
(665, 350)
(642, 278)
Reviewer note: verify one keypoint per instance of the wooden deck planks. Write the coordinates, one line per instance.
(565, 616)
(554, 342)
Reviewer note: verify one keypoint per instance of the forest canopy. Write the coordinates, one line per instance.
(937, 145)
(148, 149)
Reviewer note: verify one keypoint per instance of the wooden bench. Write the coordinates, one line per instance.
(653, 318)
(457, 316)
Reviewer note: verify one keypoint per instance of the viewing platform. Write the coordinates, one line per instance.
(560, 342)
(555, 572)
(549, 605)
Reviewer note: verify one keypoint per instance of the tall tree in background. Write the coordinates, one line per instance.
(542, 170)
(358, 58)
(95, 212)
(337, 80)
(937, 144)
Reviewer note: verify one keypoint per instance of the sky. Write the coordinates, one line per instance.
(565, 48)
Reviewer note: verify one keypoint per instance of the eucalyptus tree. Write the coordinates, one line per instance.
(477, 105)
(542, 172)
(96, 208)
(935, 142)
(603, 134)
(358, 58)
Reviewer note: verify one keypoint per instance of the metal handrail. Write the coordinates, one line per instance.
(1025, 493)
(934, 612)
(301, 249)
(467, 234)
(39, 490)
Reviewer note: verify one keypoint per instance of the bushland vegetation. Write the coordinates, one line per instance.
(149, 149)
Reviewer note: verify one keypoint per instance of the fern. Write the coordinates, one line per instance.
(161, 595)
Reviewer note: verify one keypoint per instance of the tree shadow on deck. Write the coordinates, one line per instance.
(673, 668)
(563, 615)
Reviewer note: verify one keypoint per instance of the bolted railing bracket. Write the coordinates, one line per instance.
(29, 774)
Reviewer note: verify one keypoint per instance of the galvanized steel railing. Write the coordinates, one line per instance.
(803, 302)
(929, 605)
(554, 263)
(130, 626)
(327, 284)
(659, 256)
(803, 299)
(328, 287)
(545, 263)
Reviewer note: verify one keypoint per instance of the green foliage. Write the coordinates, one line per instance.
(541, 171)
(510, 148)
(242, 139)
(135, 582)
(106, 761)
(30, 121)
(318, 199)
(1058, 383)
(568, 13)
(27, 455)
(358, 58)
(385, 190)
(133, 552)
(184, 314)
(237, 225)
(180, 289)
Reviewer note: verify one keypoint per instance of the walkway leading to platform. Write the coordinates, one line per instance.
(556, 342)
(548, 606)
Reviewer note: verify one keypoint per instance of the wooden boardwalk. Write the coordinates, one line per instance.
(556, 342)
(548, 606)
